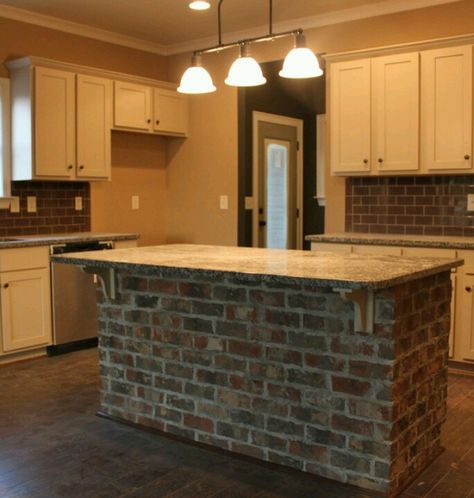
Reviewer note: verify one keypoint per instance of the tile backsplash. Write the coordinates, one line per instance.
(419, 205)
(55, 209)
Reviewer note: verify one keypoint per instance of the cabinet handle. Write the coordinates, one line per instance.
(81, 166)
(380, 160)
(468, 289)
(148, 121)
(157, 121)
(5, 286)
(366, 161)
(70, 166)
(467, 157)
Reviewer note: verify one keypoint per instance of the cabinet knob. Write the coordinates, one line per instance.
(468, 289)
(5, 286)
(366, 161)
(148, 121)
(467, 157)
(157, 121)
(81, 166)
(70, 166)
(380, 160)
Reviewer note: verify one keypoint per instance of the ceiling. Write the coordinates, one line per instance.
(170, 26)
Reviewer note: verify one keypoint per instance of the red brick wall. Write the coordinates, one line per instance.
(421, 205)
(276, 371)
(55, 209)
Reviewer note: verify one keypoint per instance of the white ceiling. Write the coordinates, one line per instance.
(169, 26)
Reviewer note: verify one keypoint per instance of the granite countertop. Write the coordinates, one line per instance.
(9, 242)
(323, 269)
(437, 241)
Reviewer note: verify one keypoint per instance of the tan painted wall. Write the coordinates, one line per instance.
(138, 161)
(207, 164)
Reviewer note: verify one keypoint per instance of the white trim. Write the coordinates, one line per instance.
(321, 126)
(81, 29)
(282, 120)
(309, 22)
(5, 129)
(327, 19)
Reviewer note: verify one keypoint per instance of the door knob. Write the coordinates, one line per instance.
(81, 166)
(148, 120)
(70, 166)
(157, 121)
(380, 160)
(5, 286)
(262, 223)
(366, 161)
(468, 289)
(467, 157)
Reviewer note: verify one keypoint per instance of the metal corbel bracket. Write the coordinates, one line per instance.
(363, 308)
(106, 278)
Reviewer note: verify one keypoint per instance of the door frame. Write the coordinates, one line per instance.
(257, 117)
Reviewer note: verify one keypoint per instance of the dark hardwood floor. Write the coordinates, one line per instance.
(53, 445)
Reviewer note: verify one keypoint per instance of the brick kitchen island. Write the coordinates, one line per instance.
(331, 364)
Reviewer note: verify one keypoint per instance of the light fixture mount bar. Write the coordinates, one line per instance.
(270, 36)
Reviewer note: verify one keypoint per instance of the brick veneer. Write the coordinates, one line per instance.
(276, 371)
(416, 205)
(55, 209)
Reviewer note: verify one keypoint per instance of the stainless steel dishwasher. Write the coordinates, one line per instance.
(74, 300)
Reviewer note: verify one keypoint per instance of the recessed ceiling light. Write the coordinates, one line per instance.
(199, 5)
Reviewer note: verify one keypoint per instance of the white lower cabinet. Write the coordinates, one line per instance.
(25, 293)
(461, 337)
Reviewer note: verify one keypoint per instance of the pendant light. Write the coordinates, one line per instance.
(196, 79)
(199, 5)
(300, 61)
(245, 71)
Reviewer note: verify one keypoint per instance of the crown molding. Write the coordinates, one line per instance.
(74, 28)
(330, 18)
(336, 17)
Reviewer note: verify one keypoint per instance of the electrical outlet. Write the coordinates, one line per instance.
(31, 204)
(15, 205)
(470, 202)
(135, 202)
(78, 203)
(224, 202)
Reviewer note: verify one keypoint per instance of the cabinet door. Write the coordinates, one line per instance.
(25, 309)
(94, 123)
(395, 112)
(446, 110)
(349, 116)
(170, 112)
(132, 106)
(55, 132)
(454, 324)
(466, 325)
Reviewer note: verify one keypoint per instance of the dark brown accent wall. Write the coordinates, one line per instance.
(55, 209)
(418, 205)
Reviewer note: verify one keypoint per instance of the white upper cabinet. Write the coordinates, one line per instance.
(170, 112)
(395, 113)
(61, 124)
(349, 117)
(446, 125)
(149, 109)
(94, 123)
(132, 107)
(54, 123)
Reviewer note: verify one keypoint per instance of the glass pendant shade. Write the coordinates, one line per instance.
(196, 79)
(245, 71)
(199, 5)
(300, 62)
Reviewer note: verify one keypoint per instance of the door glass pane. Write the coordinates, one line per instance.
(276, 199)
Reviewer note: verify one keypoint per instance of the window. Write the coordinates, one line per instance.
(5, 148)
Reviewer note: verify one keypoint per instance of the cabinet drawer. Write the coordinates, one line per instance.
(24, 258)
(377, 250)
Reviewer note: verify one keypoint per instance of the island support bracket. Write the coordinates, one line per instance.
(363, 308)
(106, 277)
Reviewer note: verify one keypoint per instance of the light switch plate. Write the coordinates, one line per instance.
(135, 202)
(224, 202)
(31, 204)
(470, 202)
(248, 202)
(78, 203)
(15, 205)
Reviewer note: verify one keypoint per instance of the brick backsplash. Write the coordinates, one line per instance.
(55, 209)
(418, 205)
